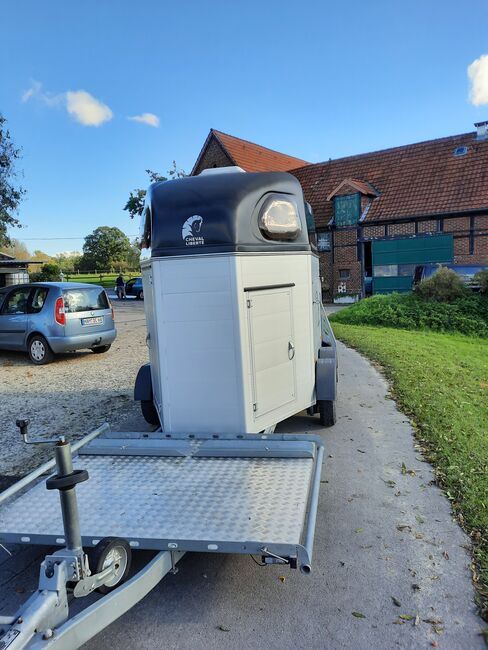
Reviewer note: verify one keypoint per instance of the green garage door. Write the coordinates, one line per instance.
(394, 260)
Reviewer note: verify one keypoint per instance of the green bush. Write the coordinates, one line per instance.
(481, 278)
(445, 286)
(49, 273)
(466, 315)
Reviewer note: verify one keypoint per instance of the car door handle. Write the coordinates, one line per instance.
(291, 350)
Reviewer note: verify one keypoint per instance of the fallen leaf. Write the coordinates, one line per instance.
(434, 644)
(222, 628)
(406, 617)
(358, 615)
(358, 530)
(404, 468)
(417, 620)
(282, 578)
(404, 527)
(420, 520)
(432, 621)
(398, 622)
(389, 483)
(445, 554)
(396, 601)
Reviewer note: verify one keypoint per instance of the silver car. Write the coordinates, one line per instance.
(45, 318)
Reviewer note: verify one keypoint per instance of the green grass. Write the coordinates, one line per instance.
(466, 315)
(106, 280)
(441, 382)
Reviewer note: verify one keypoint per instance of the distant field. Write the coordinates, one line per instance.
(107, 280)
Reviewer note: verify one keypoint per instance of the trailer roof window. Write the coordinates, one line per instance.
(279, 219)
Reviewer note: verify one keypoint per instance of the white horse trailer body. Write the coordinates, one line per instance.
(234, 317)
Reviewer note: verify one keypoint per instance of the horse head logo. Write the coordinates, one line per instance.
(190, 232)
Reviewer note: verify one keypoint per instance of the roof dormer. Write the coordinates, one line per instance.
(351, 198)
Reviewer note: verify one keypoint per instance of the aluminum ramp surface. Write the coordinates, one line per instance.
(251, 494)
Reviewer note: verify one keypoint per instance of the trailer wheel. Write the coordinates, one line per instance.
(149, 412)
(110, 550)
(327, 412)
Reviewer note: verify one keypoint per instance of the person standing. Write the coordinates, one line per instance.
(120, 286)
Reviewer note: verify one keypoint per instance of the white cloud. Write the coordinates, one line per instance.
(478, 76)
(146, 118)
(35, 89)
(86, 109)
(82, 106)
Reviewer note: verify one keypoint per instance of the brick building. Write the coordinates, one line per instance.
(379, 215)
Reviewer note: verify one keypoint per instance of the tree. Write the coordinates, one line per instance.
(68, 262)
(104, 248)
(10, 192)
(39, 256)
(16, 249)
(134, 256)
(135, 202)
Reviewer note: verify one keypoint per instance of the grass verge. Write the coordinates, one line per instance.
(441, 382)
(106, 280)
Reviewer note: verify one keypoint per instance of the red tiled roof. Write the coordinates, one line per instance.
(414, 180)
(255, 158)
(360, 186)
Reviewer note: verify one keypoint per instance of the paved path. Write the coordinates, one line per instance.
(381, 535)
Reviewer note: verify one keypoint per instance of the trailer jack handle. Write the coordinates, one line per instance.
(48, 606)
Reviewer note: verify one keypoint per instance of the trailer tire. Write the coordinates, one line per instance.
(327, 412)
(108, 550)
(149, 412)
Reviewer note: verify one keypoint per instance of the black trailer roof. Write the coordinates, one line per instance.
(217, 212)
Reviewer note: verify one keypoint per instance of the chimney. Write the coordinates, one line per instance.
(481, 130)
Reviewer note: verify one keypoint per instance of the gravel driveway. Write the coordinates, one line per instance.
(390, 566)
(73, 394)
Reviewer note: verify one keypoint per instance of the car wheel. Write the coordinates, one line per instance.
(39, 351)
(327, 412)
(149, 412)
(140, 295)
(100, 349)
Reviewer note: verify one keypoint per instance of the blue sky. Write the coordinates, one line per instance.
(317, 80)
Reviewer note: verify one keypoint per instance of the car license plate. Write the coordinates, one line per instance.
(97, 320)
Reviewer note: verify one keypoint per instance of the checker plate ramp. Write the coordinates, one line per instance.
(187, 503)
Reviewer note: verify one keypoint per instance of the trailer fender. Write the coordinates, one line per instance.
(326, 374)
(143, 388)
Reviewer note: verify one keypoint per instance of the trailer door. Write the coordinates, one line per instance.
(270, 322)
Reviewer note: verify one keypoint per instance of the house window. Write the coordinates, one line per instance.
(344, 274)
(385, 270)
(324, 243)
(347, 209)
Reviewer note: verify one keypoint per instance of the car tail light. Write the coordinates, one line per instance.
(59, 315)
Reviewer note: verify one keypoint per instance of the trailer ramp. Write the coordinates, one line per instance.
(246, 494)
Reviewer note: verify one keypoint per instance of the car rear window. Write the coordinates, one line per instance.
(84, 300)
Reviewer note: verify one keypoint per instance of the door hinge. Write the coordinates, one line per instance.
(249, 304)
(254, 407)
